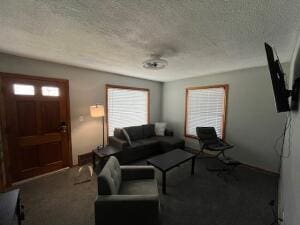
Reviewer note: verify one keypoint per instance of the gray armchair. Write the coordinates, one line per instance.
(127, 195)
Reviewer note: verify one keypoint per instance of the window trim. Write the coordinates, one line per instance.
(226, 87)
(107, 86)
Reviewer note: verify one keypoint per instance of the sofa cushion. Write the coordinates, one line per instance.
(135, 145)
(148, 130)
(118, 133)
(148, 141)
(139, 187)
(109, 180)
(135, 133)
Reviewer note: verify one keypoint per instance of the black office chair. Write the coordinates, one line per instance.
(209, 140)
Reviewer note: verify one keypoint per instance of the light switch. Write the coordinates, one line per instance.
(81, 118)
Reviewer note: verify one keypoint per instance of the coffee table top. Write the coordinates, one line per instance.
(170, 159)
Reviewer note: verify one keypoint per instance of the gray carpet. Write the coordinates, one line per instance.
(202, 199)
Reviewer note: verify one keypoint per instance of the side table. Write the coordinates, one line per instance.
(102, 154)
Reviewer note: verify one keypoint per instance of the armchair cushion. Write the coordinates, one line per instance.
(137, 172)
(109, 180)
(139, 187)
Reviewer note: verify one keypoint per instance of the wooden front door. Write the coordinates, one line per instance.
(37, 127)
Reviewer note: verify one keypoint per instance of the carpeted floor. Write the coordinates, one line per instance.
(202, 199)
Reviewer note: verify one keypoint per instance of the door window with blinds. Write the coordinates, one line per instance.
(126, 107)
(206, 107)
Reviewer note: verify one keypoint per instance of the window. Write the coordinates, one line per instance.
(50, 91)
(23, 89)
(205, 107)
(126, 107)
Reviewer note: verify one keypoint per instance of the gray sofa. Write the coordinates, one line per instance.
(127, 195)
(144, 142)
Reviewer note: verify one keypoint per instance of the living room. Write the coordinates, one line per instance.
(95, 50)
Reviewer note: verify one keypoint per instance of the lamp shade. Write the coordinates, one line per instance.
(97, 111)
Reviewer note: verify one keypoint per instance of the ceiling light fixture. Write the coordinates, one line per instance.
(155, 63)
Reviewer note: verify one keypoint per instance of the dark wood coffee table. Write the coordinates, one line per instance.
(169, 160)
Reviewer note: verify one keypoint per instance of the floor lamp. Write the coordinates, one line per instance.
(98, 111)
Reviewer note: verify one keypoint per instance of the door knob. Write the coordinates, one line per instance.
(63, 128)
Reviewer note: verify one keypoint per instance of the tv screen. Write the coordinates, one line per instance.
(277, 76)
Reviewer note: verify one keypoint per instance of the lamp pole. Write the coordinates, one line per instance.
(98, 111)
(103, 132)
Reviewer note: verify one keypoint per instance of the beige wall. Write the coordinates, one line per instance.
(252, 122)
(87, 87)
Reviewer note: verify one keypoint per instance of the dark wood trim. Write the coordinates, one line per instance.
(107, 86)
(5, 176)
(84, 159)
(6, 160)
(148, 105)
(126, 87)
(40, 78)
(70, 161)
(106, 115)
(207, 87)
(185, 112)
(226, 87)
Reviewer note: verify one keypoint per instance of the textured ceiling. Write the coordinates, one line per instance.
(197, 37)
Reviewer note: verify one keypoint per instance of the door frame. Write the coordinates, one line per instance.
(6, 159)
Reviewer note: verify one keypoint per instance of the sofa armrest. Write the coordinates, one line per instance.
(169, 132)
(117, 142)
(137, 172)
(127, 209)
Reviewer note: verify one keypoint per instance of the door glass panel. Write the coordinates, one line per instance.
(50, 91)
(23, 89)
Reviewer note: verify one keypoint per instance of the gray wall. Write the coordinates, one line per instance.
(252, 122)
(289, 194)
(87, 87)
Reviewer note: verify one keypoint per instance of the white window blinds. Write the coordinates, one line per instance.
(126, 107)
(205, 108)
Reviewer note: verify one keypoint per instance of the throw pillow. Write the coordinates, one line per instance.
(160, 129)
(127, 136)
(118, 133)
(148, 130)
(134, 132)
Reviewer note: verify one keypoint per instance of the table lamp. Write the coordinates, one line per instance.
(98, 111)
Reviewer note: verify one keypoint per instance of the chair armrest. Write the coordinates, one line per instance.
(222, 147)
(137, 172)
(127, 209)
(117, 142)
